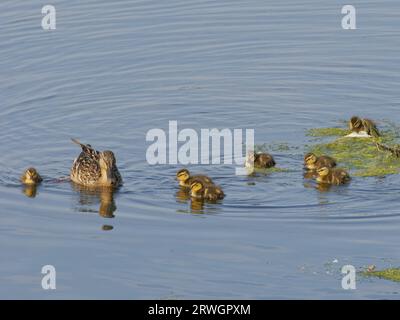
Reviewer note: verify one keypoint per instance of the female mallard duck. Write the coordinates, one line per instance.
(259, 160)
(312, 162)
(332, 176)
(31, 177)
(185, 179)
(199, 190)
(95, 169)
(360, 126)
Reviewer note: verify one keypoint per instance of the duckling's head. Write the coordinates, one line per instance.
(196, 186)
(323, 172)
(183, 175)
(107, 161)
(310, 159)
(355, 123)
(31, 176)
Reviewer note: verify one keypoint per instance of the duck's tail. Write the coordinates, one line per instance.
(85, 147)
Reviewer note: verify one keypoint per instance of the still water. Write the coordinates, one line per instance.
(112, 70)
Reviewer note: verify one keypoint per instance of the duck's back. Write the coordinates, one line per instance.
(325, 161)
(264, 160)
(86, 169)
(340, 176)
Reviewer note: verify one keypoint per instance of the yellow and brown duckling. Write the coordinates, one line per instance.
(312, 162)
(361, 126)
(31, 177)
(185, 179)
(259, 160)
(95, 169)
(199, 190)
(333, 176)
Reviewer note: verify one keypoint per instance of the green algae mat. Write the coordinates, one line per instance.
(358, 155)
(392, 274)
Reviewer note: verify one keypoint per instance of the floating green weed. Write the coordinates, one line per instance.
(327, 132)
(360, 155)
(392, 274)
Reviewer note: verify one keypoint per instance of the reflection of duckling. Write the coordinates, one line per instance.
(182, 195)
(31, 177)
(94, 168)
(332, 176)
(208, 192)
(259, 160)
(185, 180)
(30, 190)
(197, 205)
(312, 162)
(359, 126)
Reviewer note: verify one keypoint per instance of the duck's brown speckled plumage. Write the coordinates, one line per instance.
(87, 168)
(199, 190)
(312, 162)
(335, 176)
(185, 179)
(260, 160)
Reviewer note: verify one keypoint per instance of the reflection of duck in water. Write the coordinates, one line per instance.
(197, 205)
(30, 190)
(91, 196)
(93, 168)
(182, 195)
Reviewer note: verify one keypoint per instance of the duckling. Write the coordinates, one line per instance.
(185, 179)
(259, 160)
(360, 126)
(93, 168)
(31, 177)
(312, 162)
(199, 190)
(332, 176)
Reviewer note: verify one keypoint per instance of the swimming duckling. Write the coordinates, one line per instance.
(361, 127)
(185, 179)
(312, 162)
(31, 177)
(259, 160)
(93, 168)
(332, 176)
(199, 190)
